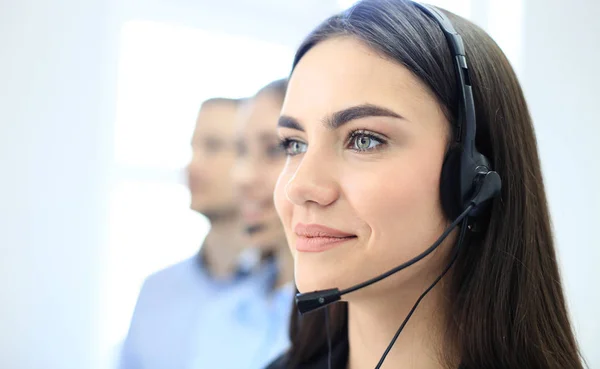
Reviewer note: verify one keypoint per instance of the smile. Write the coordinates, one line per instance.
(319, 238)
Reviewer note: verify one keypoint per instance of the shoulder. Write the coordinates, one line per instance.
(164, 294)
(180, 271)
(169, 285)
(177, 274)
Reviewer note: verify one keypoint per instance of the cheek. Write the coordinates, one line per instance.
(219, 167)
(271, 175)
(282, 204)
(399, 204)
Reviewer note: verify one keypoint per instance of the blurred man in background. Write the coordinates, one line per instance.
(176, 305)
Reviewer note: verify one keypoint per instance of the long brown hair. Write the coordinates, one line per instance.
(506, 304)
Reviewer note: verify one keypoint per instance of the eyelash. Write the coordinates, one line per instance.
(286, 142)
(364, 133)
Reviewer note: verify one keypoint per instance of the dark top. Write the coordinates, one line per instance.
(339, 359)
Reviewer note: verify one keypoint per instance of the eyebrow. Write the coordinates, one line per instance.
(342, 117)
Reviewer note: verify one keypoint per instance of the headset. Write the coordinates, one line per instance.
(467, 182)
(472, 167)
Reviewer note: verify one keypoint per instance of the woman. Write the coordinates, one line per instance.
(258, 164)
(376, 126)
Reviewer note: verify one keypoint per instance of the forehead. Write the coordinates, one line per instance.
(260, 114)
(342, 72)
(216, 118)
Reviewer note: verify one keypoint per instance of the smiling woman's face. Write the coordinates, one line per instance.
(359, 193)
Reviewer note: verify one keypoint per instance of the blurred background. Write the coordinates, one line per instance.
(98, 100)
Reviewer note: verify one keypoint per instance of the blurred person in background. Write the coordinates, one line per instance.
(175, 308)
(260, 160)
(253, 329)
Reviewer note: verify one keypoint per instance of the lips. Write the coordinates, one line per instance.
(319, 238)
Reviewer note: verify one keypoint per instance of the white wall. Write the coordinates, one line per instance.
(57, 73)
(561, 78)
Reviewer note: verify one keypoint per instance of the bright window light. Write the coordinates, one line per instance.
(166, 71)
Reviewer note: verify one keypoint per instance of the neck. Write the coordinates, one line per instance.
(373, 321)
(222, 247)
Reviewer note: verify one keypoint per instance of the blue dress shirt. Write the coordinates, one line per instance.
(184, 319)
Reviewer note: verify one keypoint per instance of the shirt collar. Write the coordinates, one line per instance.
(249, 262)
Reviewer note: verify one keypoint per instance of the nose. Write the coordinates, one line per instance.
(313, 181)
(196, 161)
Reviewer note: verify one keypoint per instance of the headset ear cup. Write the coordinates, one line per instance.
(450, 194)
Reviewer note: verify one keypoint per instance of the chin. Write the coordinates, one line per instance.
(199, 205)
(315, 272)
(319, 271)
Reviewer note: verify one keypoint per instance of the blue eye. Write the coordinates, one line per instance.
(364, 141)
(293, 147)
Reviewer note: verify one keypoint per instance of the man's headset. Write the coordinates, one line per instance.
(467, 183)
